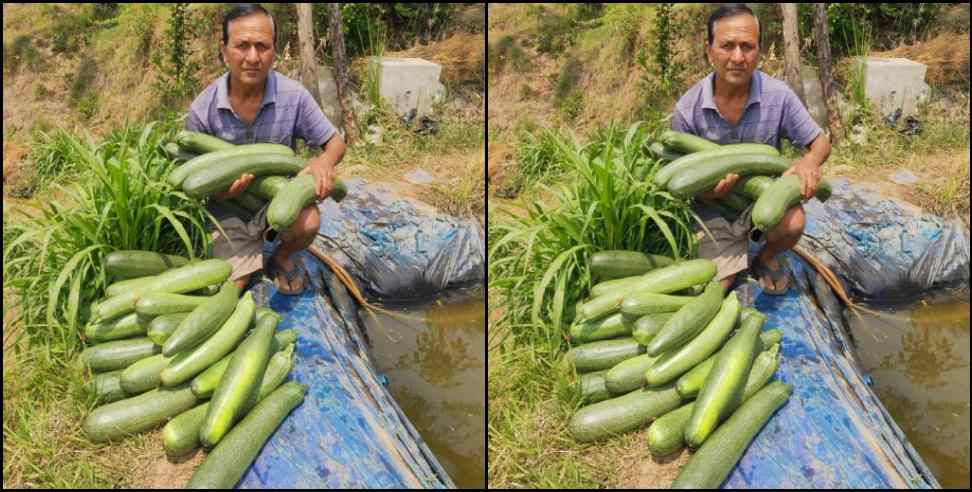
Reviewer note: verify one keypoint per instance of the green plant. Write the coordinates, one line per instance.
(137, 414)
(174, 65)
(22, 51)
(506, 52)
(661, 77)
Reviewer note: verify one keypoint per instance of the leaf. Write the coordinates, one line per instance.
(547, 277)
(178, 227)
(55, 288)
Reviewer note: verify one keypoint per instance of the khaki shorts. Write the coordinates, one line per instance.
(242, 245)
(729, 245)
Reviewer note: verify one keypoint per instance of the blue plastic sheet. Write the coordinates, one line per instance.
(834, 432)
(349, 432)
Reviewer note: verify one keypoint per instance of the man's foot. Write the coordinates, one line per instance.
(772, 276)
(287, 276)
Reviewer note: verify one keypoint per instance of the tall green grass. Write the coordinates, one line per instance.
(538, 257)
(53, 251)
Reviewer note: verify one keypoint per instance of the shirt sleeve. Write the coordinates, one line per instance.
(312, 125)
(798, 126)
(196, 124)
(680, 124)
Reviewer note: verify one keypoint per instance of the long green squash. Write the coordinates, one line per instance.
(725, 382)
(118, 354)
(622, 414)
(611, 326)
(294, 196)
(120, 328)
(603, 354)
(221, 174)
(206, 382)
(203, 321)
(648, 326)
(713, 462)
(701, 178)
(613, 264)
(691, 382)
(128, 264)
(703, 158)
(628, 375)
(665, 280)
(137, 414)
(779, 197)
(210, 159)
(688, 321)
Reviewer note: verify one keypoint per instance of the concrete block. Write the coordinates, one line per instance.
(893, 83)
(329, 96)
(813, 93)
(410, 83)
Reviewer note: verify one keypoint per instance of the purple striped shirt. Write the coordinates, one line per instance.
(773, 111)
(287, 111)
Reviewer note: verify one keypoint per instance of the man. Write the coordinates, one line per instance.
(252, 104)
(738, 103)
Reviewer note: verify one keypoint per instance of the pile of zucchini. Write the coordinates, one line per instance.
(173, 334)
(211, 165)
(660, 341)
(696, 165)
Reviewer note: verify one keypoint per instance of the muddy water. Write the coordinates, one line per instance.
(436, 367)
(918, 358)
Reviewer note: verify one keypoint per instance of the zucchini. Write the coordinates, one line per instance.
(118, 354)
(226, 464)
(181, 434)
(206, 382)
(250, 202)
(294, 196)
(622, 414)
(159, 303)
(205, 161)
(162, 327)
(119, 328)
(677, 362)
(666, 280)
(697, 179)
(144, 374)
(592, 388)
(607, 265)
(667, 434)
(122, 286)
(267, 187)
(614, 285)
(642, 303)
(138, 413)
(187, 364)
(725, 382)
(703, 158)
(106, 387)
(628, 375)
(753, 186)
(604, 354)
(663, 153)
(200, 143)
(688, 321)
(600, 306)
(221, 173)
(203, 321)
(177, 281)
(713, 462)
(779, 197)
(611, 326)
(735, 201)
(240, 381)
(127, 264)
(648, 325)
(686, 143)
(691, 382)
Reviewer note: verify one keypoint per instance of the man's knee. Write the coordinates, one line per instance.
(307, 224)
(790, 227)
(242, 281)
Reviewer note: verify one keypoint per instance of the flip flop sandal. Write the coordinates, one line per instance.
(289, 276)
(762, 271)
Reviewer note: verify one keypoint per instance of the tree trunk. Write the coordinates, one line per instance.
(340, 68)
(791, 40)
(308, 62)
(822, 33)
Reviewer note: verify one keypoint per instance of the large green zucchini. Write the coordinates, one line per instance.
(622, 414)
(612, 264)
(688, 321)
(689, 182)
(779, 197)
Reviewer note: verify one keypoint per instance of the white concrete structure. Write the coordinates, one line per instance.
(410, 83)
(893, 83)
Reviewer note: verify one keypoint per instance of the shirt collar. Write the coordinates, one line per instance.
(269, 92)
(755, 90)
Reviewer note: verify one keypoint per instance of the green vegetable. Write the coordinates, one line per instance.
(691, 382)
(206, 382)
(204, 320)
(611, 326)
(226, 464)
(779, 197)
(714, 461)
(603, 354)
(704, 158)
(648, 326)
(125, 326)
(294, 196)
(162, 327)
(622, 414)
(607, 265)
(592, 388)
(201, 143)
(725, 382)
(159, 303)
(118, 354)
(221, 157)
(143, 375)
(641, 303)
(697, 179)
(128, 264)
(106, 386)
(221, 174)
(666, 280)
(688, 321)
(188, 364)
(138, 413)
(123, 286)
(267, 187)
(628, 375)
(686, 143)
(240, 381)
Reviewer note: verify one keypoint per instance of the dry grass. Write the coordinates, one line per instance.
(462, 57)
(946, 55)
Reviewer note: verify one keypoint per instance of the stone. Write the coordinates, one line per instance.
(410, 83)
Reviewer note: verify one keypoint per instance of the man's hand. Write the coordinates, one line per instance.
(323, 174)
(809, 175)
(722, 188)
(235, 189)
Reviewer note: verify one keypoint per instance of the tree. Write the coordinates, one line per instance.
(791, 41)
(822, 34)
(305, 36)
(340, 68)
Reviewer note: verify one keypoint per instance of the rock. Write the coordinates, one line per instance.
(904, 177)
(419, 177)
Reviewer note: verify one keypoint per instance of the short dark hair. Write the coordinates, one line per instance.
(243, 10)
(732, 10)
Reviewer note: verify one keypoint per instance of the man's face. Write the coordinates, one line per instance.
(249, 52)
(735, 48)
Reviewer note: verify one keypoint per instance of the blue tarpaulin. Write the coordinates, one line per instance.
(834, 432)
(349, 432)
